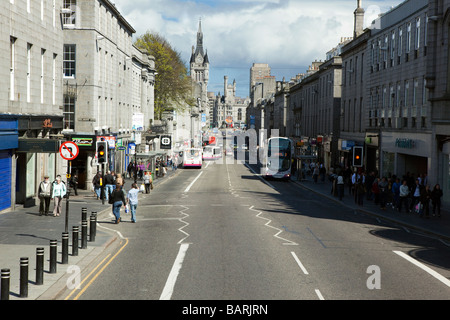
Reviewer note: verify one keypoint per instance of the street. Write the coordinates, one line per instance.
(221, 233)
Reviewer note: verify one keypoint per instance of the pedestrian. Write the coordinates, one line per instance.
(316, 173)
(425, 198)
(148, 180)
(340, 186)
(74, 183)
(58, 193)
(44, 193)
(436, 196)
(117, 198)
(109, 184)
(416, 192)
(395, 193)
(132, 200)
(383, 188)
(119, 180)
(96, 184)
(360, 191)
(403, 196)
(130, 169)
(376, 190)
(322, 172)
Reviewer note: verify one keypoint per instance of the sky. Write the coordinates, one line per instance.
(286, 34)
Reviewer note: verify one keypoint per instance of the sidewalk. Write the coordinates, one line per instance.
(23, 231)
(436, 226)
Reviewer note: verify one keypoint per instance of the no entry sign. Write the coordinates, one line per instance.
(69, 150)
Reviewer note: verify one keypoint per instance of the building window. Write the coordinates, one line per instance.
(29, 46)
(69, 60)
(69, 12)
(408, 38)
(417, 36)
(42, 74)
(12, 62)
(69, 113)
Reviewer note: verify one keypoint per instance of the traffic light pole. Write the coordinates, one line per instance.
(69, 167)
(102, 190)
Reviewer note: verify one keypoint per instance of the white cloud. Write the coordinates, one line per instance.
(288, 35)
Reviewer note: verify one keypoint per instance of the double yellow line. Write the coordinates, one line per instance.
(96, 273)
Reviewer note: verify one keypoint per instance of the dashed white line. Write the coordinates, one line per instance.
(299, 263)
(424, 267)
(319, 295)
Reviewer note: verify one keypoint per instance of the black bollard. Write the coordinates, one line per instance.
(39, 266)
(92, 228)
(83, 214)
(83, 234)
(23, 277)
(65, 248)
(5, 282)
(53, 252)
(75, 230)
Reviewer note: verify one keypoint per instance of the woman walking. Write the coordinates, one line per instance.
(58, 193)
(436, 196)
(117, 199)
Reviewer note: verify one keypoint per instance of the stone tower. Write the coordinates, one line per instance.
(359, 20)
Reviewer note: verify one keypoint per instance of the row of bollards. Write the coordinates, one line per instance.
(6, 274)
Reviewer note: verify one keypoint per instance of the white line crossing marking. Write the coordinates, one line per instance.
(424, 267)
(185, 224)
(288, 242)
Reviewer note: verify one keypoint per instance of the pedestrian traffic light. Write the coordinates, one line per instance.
(358, 156)
(102, 151)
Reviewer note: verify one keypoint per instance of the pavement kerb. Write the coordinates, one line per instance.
(380, 216)
(56, 289)
(89, 255)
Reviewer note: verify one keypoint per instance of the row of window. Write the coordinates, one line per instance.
(393, 96)
(29, 71)
(407, 37)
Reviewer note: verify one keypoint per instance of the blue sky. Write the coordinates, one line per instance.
(286, 34)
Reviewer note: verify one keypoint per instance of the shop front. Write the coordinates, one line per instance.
(404, 153)
(8, 144)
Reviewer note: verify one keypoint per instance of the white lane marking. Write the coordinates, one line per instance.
(192, 183)
(259, 176)
(299, 263)
(319, 295)
(172, 279)
(424, 267)
(289, 242)
(185, 224)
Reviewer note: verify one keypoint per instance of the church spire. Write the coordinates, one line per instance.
(199, 49)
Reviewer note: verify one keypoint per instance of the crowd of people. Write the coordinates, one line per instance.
(409, 192)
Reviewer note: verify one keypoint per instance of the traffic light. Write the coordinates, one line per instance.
(102, 151)
(358, 156)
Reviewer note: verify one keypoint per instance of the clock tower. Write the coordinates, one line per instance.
(199, 65)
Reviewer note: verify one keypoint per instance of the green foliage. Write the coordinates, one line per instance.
(173, 86)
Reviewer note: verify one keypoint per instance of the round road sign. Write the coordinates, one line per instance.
(69, 150)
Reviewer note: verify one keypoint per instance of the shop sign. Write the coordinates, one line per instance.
(82, 142)
(405, 143)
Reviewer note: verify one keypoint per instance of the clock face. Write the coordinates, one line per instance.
(199, 59)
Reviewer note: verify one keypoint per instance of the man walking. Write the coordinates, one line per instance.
(44, 193)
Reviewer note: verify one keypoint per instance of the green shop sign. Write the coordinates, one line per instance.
(405, 143)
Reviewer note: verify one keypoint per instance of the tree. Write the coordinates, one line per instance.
(173, 87)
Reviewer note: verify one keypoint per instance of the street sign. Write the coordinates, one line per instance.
(69, 150)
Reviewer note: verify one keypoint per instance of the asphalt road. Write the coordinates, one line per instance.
(222, 233)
